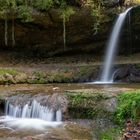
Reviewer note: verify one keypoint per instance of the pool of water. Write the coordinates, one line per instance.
(35, 129)
(48, 88)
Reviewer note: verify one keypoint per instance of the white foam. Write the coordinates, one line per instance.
(102, 83)
(25, 123)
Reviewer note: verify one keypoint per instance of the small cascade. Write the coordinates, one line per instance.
(33, 110)
(106, 76)
(39, 106)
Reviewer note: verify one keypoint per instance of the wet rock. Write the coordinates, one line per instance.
(134, 79)
(109, 105)
(121, 73)
(127, 73)
(54, 101)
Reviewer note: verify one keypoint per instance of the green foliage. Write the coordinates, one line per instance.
(44, 4)
(24, 12)
(96, 12)
(128, 106)
(7, 4)
(23, 8)
(66, 12)
(9, 71)
(20, 6)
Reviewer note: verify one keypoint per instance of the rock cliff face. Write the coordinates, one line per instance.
(127, 73)
(130, 39)
(45, 33)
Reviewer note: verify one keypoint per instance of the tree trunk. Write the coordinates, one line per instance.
(13, 30)
(64, 31)
(6, 29)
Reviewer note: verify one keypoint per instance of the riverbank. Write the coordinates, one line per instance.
(64, 69)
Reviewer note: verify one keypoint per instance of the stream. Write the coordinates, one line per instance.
(37, 129)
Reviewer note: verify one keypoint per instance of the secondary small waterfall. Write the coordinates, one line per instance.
(39, 106)
(35, 110)
(106, 76)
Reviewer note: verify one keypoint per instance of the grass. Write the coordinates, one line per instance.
(128, 107)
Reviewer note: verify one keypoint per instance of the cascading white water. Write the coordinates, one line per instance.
(106, 76)
(35, 110)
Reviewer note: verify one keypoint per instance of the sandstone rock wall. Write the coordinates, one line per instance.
(45, 33)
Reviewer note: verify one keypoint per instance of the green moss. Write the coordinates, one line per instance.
(85, 105)
(57, 75)
(11, 76)
(83, 71)
(39, 74)
(9, 71)
(128, 107)
(84, 99)
(59, 78)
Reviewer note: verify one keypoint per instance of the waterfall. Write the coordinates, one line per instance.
(106, 76)
(33, 110)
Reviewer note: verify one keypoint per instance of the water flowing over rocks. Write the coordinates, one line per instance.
(46, 107)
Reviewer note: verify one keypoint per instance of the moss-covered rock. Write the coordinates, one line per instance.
(12, 76)
(89, 104)
(53, 75)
